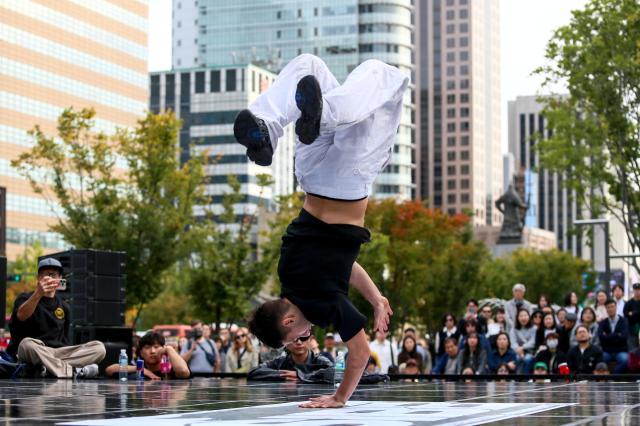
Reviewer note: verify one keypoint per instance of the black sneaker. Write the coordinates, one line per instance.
(309, 102)
(251, 132)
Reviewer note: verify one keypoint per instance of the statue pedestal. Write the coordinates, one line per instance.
(532, 238)
(504, 249)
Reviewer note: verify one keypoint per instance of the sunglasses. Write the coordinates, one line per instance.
(302, 339)
(239, 336)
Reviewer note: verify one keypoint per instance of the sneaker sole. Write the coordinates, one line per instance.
(309, 101)
(247, 132)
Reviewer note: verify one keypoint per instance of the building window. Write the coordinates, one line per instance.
(464, 155)
(464, 198)
(464, 84)
(451, 85)
(278, 15)
(315, 31)
(315, 11)
(179, 43)
(464, 98)
(451, 184)
(464, 13)
(464, 140)
(451, 212)
(299, 13)
(451, 113)
(451, 198)
(451, 127)
(451, 56)
(451, 99)
(450, 2)
(463, 2)
(451, 42)
(464, 27)
(464, 184)
(464, 69)
(451, 170)
(464, 112)
(451, 28)
(215, 81)
(200, 82)
(451, 141)
(299, 32)
(451, 156)
(451, 71)
(231, 80)
(464, 41)
(278, 34)
(464, 126)
(464, 55)
(464, 169)
(451, 15)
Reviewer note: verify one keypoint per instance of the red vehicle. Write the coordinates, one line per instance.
(173, 332)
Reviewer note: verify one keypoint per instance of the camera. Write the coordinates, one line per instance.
(196, 333)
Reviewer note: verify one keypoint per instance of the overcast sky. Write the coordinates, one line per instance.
(525, 28)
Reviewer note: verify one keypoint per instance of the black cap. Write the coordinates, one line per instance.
(51, 263)
(636, 286)
(571, 317)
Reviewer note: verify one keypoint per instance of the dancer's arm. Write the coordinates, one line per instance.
(362, 282)
(356, 363)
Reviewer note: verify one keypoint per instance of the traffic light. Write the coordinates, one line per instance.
(14, 278)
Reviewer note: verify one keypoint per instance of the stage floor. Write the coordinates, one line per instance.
(238, 402)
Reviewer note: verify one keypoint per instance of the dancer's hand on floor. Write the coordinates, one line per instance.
(381, 315)
(326, 401)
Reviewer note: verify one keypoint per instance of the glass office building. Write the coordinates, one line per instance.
(55, 55)
(343, 33)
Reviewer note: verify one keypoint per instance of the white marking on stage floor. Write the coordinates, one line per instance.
(370, 413)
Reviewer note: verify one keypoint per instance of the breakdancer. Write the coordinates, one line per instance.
(345, 138)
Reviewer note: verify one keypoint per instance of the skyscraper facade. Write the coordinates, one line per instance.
(552, 206)
(55, 55)
(461, 155)
(343, 33)
(207, 100)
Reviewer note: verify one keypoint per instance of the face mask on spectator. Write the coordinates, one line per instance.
(552, 343)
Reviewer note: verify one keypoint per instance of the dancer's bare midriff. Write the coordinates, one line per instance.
(334, 211)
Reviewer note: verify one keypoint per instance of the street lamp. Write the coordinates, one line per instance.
(607, 259)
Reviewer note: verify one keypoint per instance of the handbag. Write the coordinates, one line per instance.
(211, 357)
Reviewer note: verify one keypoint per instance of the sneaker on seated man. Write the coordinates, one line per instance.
(40, 330)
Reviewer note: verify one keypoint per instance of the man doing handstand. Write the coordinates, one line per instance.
(345, 138)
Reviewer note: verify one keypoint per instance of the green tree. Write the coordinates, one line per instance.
(25, 265)
(595, 130)
(144, 208)
(224, 269)
(553, 272)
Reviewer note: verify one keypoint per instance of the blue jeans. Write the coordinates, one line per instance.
(525, 365)
(621, 359)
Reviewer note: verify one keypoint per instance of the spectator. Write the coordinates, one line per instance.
(565, 332)
(523, 341)
(601, 368)
(472, 314)
(225, 338)
(501, 319)
(297, 364)
(503, 370)
(499, 326)
(631, 312)
(536, 318)
(471, 326)
(410, 351)
(548, 326)
(373, 365)
(449, 329)
(40, 330)
(588, 319)
(448, 362)
(618, 295)
(201, 354)
(548, 310)
(613, 334)
(601, 310)
(241, 357)
(543, 302)
(427, 363)
(383, 348)
(151, 347)
(502, 354)
(540, 369)
(486, 312)
(561, 315)
(583, 358)
(329, 350)
(473, 356)
(518, 302)
(410, 367)
(410, 331)
(550, 353)
(571, 304)
(313, 344)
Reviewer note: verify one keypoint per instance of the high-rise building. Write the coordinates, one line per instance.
(461, 154)
(552, 206)
(343, 33)
(207, 100)
(55, 55)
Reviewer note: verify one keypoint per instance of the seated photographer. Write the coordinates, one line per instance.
(150, 348)
(297, 363)
(40, 330)
(201, 352)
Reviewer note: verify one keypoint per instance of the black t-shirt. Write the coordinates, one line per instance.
(316, 259)
(49, 323)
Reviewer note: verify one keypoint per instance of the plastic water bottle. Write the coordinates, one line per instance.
(123, 362)
(339, 369)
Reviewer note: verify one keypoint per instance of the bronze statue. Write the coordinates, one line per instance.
(509, 204)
